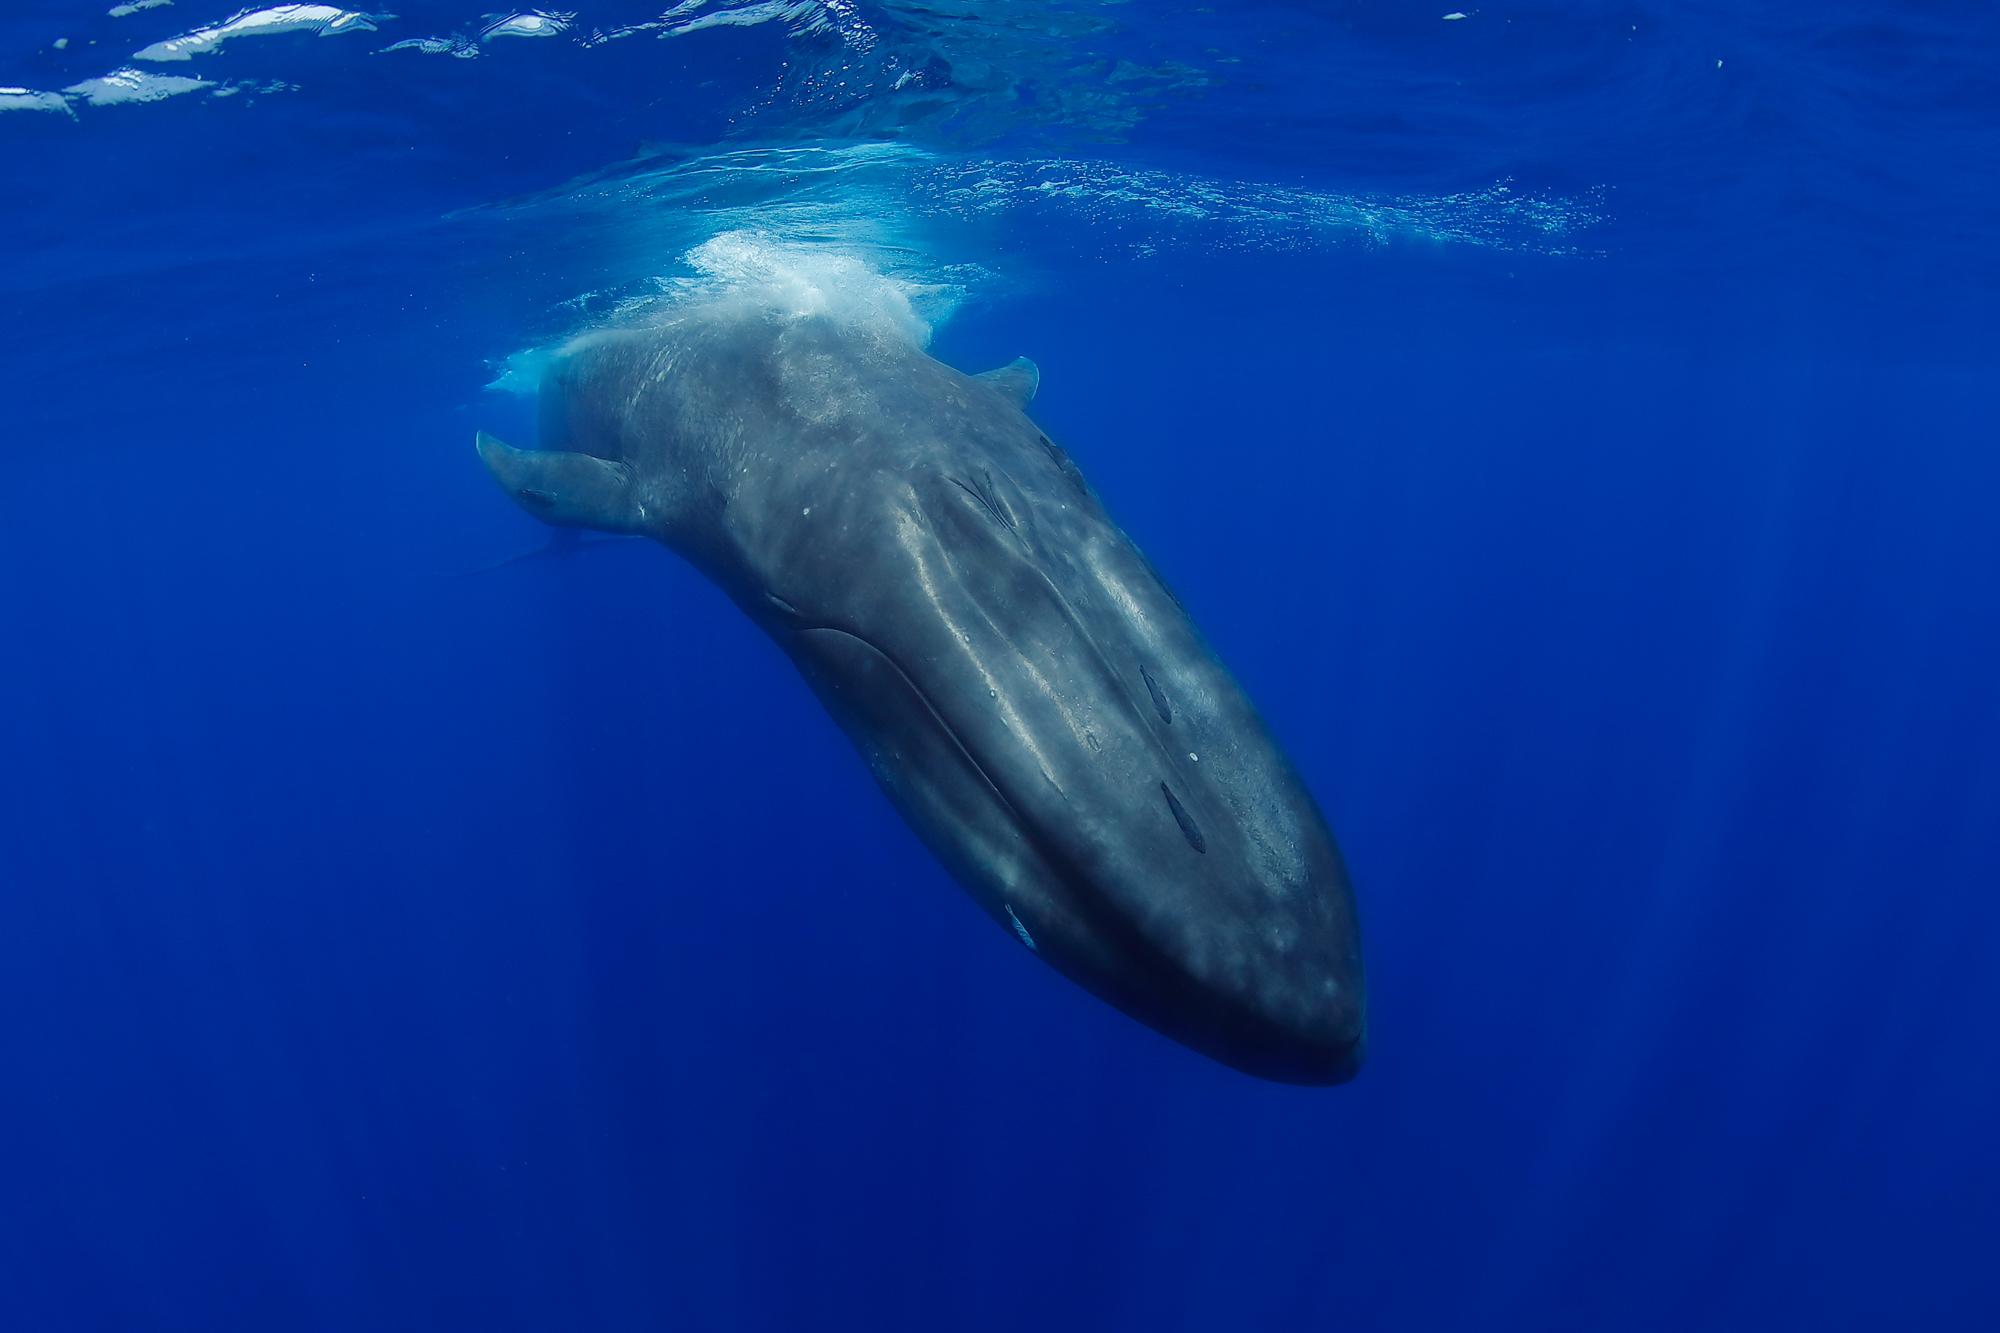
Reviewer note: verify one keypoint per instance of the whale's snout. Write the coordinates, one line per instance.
(1226, 904)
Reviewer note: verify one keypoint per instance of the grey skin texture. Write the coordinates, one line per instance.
(1029, 694)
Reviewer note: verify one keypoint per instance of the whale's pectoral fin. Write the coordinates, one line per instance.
(1018, 380)
(566, 489)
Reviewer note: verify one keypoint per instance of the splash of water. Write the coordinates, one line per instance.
(756, 270)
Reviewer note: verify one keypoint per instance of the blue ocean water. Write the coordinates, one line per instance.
(1575, 428)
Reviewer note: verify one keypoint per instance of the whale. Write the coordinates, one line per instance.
(1023, 686)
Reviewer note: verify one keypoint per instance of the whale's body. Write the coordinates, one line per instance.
(1023, 686)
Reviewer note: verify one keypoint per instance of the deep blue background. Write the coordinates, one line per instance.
(384, 946)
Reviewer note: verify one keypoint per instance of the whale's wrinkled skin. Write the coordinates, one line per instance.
(1023, 686)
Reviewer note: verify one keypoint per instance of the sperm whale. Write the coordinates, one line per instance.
(1023, 686)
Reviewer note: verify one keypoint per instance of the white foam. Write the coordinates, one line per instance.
(520, 373)
(137, 6)
(27, 99)
(321, 20)
(123, 86)
(528, 23)
(1147, 211)
(757, 271)
(456, 47)
(804, 280)
(745, 16)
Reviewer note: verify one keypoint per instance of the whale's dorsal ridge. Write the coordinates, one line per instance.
(1017, 380)
(569, 490)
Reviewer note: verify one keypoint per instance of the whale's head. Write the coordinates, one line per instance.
(1068, 746)
(1044, 713)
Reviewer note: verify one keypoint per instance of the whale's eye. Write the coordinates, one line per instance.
(528, 495)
